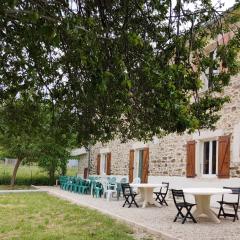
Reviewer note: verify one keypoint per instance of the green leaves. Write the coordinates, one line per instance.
(135, 39)
(123, 69)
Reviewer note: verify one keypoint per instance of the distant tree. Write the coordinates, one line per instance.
(29, 132)
(52, 157)
(127, 69)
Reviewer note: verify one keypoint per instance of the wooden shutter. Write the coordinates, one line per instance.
(131, 165)
(109, 157)
(145, 165)
(85, 173)
(98, 164)
(224, 157)
(190, 170)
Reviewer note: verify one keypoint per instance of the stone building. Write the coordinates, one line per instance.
(205, 158)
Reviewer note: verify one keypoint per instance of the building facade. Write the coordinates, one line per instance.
(209, 158)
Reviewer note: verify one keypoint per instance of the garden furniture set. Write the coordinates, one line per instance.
(95, 186)
(107, 187)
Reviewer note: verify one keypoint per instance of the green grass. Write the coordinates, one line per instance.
(16, 187)
(38, 216)
(28, 175)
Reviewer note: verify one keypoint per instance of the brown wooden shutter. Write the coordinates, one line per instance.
(145, 165)
(190, 170)
(85, 173)
(109, 157)
(224, 157)
(131, 165)
(98, 164)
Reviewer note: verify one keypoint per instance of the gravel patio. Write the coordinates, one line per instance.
(156, 220)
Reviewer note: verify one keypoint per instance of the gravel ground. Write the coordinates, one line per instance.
(157, 220)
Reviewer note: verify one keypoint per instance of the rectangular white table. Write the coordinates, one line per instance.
(146, 191)
(202, 198)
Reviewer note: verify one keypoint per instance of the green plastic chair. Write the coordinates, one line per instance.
(85, 187)
(73, 182)
(62, 181)
(77, 185)
(119, 187)
(97, 189)
(68, 184)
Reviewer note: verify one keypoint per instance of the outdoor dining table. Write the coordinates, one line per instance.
(202, 198)
(146, 191)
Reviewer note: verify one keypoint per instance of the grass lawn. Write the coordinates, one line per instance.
(28, 175)
(15, 187)
(27, 171)
(30, 216)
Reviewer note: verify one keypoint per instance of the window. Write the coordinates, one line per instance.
(207, 77)
(104, 163)
(138, 164)
(209, 158)
(213, 70)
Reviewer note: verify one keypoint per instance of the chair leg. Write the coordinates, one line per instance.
(179, 213)
(235, 207)
(158, 198)
(189, 215)
(133, 199)
(221, 211)
(126, 201)
(163, 201)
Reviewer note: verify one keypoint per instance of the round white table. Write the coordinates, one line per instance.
(146, 191)
(202, 198)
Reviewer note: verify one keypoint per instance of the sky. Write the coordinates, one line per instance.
(227, 3)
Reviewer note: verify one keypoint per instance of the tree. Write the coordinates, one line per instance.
(121, 68)
(52, 157)
(19, 124)
(29, 131)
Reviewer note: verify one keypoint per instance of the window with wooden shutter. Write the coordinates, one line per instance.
(190, 168)
(131, 165)
(224, 157)
(109, 157)
(98, 164)
(145, 165)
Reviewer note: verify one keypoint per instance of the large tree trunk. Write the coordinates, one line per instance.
(15, 171)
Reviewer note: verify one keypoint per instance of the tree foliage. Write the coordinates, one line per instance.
(121, 68)
(29, 132)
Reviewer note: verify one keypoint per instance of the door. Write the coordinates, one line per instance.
(141, 164)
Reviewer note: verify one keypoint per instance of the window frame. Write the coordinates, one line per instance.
(136, 162)
(201, 155)
(103, 167)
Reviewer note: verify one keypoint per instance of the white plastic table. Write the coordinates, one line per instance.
(146, 191)
(202, 198)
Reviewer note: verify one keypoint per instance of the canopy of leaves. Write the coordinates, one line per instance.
(125, 68)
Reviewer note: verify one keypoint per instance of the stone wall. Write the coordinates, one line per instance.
(82, 163)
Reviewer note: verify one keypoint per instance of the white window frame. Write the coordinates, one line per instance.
(201, 154)
(136, 162)
(200, 138)
(103, 164)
